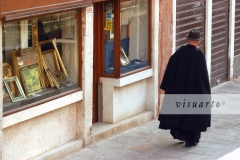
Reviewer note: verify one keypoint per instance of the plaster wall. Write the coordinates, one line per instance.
(131, 100)
(124, 97)
(39, 134)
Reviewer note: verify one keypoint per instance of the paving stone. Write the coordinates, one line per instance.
(147, 142)
(191, 156)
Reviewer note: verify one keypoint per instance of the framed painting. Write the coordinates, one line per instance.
(31, 79)
(15, 81)
(27, 60)
(64, 79)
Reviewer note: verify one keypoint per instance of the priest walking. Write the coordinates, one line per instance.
(186, 73)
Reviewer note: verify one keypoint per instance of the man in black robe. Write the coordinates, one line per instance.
(186, 73)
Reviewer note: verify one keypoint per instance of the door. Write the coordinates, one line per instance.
(220, 34)
(237, 29)
(189, 14)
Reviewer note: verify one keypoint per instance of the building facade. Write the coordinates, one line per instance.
(72, 68)
(78, 71)
(218, 23)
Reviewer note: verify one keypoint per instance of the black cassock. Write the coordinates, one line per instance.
(186, 73)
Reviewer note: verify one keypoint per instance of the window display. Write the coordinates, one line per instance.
(40, 58)
(134, 33)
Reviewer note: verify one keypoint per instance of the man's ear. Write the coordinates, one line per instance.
(199, 42)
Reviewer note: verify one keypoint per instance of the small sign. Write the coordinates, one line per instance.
(108, 25)
(108, 15)
(89, 10)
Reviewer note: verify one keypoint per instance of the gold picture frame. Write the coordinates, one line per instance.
(53, 78)
(57, 54)
(24, 58)
(50, 64)
(31, 79)
(123, 57)
(15, 80)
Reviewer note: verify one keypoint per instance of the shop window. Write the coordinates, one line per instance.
(40, 59)
(130, 19)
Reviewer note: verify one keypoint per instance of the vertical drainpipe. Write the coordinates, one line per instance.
(208, 36)
(231, 37)
(174, 25)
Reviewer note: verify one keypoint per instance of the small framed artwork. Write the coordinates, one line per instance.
(31, 79)
(27, 60)
(14, 97)
(123, 58)
(64, 79)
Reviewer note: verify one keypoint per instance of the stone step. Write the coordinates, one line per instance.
(60, 151)
(102, 130)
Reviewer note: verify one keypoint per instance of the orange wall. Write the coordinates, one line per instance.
(165, 39)
(13, 5)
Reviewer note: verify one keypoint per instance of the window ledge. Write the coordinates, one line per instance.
(41, 109)
(128, 79)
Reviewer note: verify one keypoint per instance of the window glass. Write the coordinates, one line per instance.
(40, 58)
(108, 38)
(134, 35)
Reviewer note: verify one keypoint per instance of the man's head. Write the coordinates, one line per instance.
(193, 37)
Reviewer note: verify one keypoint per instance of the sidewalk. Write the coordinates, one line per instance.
(221, 141)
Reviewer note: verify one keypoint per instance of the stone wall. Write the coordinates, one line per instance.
(40, 134)
(85, 113)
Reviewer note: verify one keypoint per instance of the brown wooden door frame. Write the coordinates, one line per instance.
(98, 57)
(98, 49)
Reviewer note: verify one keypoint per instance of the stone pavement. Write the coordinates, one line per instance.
(221, 141)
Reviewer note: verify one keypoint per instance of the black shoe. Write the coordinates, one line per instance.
(190, 144)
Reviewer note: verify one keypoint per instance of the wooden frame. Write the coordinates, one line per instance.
(50, 64)
(26, 60)
(53, 78)
(31, 79)
(26, 57)
(18, 86)
(79, 44)
(99, 40)
(59, 59)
